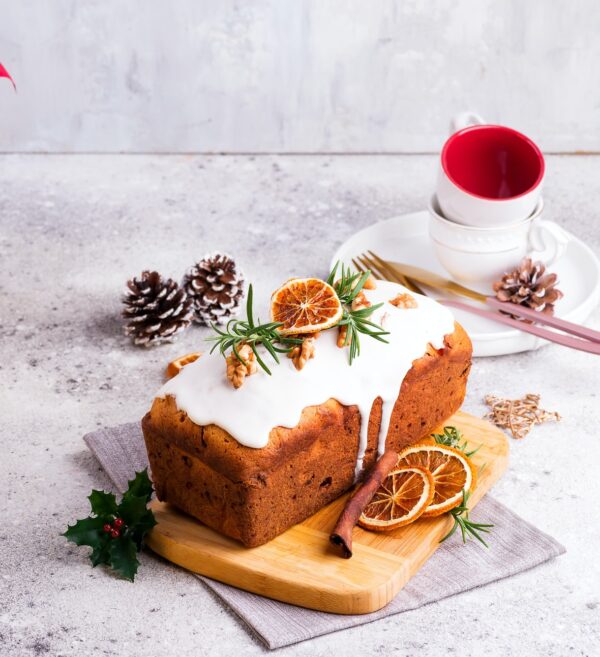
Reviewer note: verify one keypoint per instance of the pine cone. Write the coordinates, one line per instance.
(156, 309)
(216, 288)
(529, 285)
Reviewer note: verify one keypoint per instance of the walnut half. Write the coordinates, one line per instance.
(404, 300)
(302, 353)
(238, 371)
(360, 301)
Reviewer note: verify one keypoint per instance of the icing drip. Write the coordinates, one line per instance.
(263, 402)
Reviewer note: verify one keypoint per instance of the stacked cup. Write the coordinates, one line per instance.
(486, 215)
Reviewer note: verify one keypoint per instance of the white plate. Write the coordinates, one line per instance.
(405, 239)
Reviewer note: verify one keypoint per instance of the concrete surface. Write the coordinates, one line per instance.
(288, 76)
(74, 228)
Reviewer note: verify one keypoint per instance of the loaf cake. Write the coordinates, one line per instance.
(252, 462)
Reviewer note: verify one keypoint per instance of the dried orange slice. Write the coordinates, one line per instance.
(305, 305)
(451, 469)
(402, 497)
(175, 366)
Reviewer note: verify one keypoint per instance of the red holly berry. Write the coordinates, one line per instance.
(107, 528)
(118, 523)
(115, 533)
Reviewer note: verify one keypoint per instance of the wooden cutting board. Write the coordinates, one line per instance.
(301, 566)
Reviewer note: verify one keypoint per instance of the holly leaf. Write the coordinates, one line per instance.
(103, 503)
(132, 510)
(129, 522)
(100, 554)
(142, 527)
(139, 486)
(85, 532)
(123, 559)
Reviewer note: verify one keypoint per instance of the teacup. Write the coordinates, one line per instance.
(480, 256)
(489, 175)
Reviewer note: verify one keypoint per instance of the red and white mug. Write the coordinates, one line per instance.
(490, 175)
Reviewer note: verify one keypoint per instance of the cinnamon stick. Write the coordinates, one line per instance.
(342, 532)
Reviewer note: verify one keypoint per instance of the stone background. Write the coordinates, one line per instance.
(286, 76)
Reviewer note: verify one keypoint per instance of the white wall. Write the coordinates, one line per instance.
(294, 75)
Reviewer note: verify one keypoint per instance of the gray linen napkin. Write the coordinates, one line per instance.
(454, 568)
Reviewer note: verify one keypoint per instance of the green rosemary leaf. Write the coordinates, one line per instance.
(452, 437)
(240, 330)
(249, 306)
(356, 323)
(462, 531)
(259, 360)
(227, 344)
(282, 350)
(354, 342)
(349, 285)
(363, 313)
(473, 451)
(482, 526)
(377, 336)
(270, 348)
(467, 528)
(359, 286)
(217, 330)
(348, 339)
(366, 312)
(450, 533)
(331, 277)
(474, 533)
(370, 328)
(237, 354)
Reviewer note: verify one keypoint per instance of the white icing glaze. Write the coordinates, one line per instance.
(263, 402)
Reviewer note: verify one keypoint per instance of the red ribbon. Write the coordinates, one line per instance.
(5, 74)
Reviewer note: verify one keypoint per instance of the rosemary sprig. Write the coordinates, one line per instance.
(247, 331)
(254, 334)
(347, 287)
(357, 322)
(452, 437)
(467, 527)
(349, 284)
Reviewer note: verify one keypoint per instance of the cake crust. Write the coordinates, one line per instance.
(252, 494)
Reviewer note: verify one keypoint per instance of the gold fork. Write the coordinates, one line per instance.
(382, 271)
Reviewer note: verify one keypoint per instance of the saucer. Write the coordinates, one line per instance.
(405, 239)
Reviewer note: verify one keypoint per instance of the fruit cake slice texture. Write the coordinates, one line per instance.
(253, 495)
